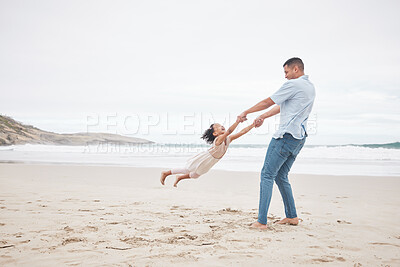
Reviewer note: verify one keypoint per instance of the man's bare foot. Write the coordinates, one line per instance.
(258, 225)
(291, 221)
(163, 176)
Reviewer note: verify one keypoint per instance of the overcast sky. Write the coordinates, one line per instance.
(61, 61)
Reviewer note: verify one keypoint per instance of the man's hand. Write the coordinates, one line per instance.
(258, 121)
(242, 117)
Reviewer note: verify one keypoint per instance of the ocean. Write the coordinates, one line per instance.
(369, 159)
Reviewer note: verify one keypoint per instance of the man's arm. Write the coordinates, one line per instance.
(273, 111)
(260, 119)
(264, 104)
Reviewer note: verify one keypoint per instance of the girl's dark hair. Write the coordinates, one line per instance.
(208, 135)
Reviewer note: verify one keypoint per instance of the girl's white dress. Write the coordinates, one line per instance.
(203, 162)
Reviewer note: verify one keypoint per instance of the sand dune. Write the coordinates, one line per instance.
(16, 133)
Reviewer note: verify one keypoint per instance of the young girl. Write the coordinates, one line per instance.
(202, 163)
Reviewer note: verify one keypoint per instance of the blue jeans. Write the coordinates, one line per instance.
(280, 157)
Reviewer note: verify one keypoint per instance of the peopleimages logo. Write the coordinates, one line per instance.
(168, 125)
(190, 123)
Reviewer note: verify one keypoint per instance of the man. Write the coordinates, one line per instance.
(294, 101)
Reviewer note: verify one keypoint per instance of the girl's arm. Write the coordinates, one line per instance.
(222, 137)
(242, 132)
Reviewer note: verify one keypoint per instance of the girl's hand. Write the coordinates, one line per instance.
(258, 121)
(242, 117)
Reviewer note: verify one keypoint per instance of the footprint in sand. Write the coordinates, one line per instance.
(91, 228)
(7, 246)
(322, 260)
(177, 225)
(176, 239)
(68, 229)
(229, 210)
(329, 259)
(384, 244)
(18, 235)
(272, 218)
(191, 237)
(343, 222)
(166, 230)
(135, 240)
(72, 240)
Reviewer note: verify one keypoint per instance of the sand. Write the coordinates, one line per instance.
(66, 215)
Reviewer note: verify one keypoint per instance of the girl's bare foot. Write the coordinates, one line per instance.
(178, 178)
(164, 175)
(258, 225)
(177, 181)
(291, 221)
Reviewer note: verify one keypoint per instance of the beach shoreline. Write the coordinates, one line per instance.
(65, 214)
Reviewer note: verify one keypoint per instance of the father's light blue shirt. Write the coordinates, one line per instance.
(296, 99)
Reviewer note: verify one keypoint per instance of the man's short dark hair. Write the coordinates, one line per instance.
(294, 61)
